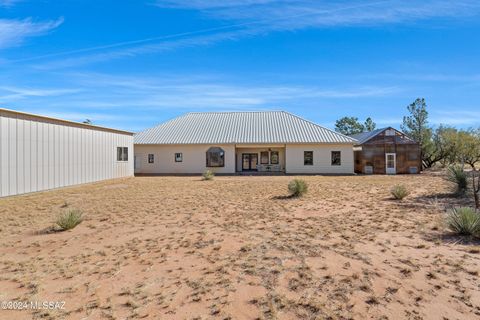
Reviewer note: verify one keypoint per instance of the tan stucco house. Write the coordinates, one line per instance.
(242, 142)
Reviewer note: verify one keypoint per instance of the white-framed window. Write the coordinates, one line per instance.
(336, 158)
(178, 157)
(122, 154)
(151, 158)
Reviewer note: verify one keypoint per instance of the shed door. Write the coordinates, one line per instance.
(390, 163)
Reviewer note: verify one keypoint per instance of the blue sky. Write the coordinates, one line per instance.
(132, 64)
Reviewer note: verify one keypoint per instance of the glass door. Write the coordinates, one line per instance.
(249, 161)
(390, 163)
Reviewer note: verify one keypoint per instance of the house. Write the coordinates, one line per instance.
(40, 153)
(386, 151)
(235, 142)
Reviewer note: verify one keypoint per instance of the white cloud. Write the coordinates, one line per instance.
(13, 31)
(8, 3)
(13, 93)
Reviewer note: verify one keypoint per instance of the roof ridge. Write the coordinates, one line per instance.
(254, 111)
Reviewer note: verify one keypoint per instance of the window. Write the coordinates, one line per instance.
(122, 154)
(274, 157)
(215, 157)
(413, 155)
(308, 158)
(178, 157)
(264, 157)
(336, 158)
(151, 158)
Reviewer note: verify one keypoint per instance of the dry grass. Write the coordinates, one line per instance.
(179, 248)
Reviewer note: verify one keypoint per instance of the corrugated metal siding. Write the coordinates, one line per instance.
(40, 154)
(239, 127)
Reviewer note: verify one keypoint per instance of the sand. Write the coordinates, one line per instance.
(233, 248)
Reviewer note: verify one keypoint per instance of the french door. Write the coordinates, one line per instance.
(249, 161)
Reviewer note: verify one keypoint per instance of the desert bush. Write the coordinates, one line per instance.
(399, 192)
(69, 219)
(208, 175)
(464, 221)
(457, 176)
(297, 187)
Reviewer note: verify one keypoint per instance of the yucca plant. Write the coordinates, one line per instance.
(464, 221)
(457, 176)
(69, 219)
(399, 192)
(297, 187)
(208, 175)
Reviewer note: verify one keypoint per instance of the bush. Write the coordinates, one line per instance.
(297, 187)
(464, 221)
(457, 176)
(399, 192)
(208, 175)
(69, 219)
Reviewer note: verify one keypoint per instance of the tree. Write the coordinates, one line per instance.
(369, 125)
(349, 125)
(416, 126)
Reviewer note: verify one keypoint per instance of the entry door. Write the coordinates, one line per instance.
(249, 161)
(390, 163)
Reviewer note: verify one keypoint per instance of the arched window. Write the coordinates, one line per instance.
(215, 157)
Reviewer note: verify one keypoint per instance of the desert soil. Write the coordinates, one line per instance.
(234, 248)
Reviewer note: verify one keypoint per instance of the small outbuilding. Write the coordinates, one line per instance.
(386, 151)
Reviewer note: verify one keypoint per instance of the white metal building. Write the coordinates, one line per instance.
(40, 153)
(234, 142)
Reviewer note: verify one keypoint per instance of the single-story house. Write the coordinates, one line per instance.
(40, 153)
(386, 151)
(234, 142)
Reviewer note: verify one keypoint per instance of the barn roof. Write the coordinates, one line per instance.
(240, 128)
(365, 136)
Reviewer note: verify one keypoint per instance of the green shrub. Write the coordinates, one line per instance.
(464, 221)
(297, 187)
(69, 219)
(457, 176)
(399, 192)
(208, 175)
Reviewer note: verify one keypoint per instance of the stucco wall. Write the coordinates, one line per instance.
(194, 159)
(321, 159)
(39, 154)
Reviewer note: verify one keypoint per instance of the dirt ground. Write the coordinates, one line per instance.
(233, 248)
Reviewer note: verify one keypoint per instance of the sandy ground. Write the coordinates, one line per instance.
(182, 248)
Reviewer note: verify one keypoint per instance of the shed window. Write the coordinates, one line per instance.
(264, 157)
(336, 158)
(308, 158)
(413, 155)
(122, 154)
(151, 158)
(178, 157)
(215, 157)
(274, 157)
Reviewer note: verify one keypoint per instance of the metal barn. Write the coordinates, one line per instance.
(40, 153)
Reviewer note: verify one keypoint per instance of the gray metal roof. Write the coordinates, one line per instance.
(239, 128)
(365, 136)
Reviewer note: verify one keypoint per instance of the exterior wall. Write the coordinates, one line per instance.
(194, 159)
(240, 150)
(321, 159)
(38, 153)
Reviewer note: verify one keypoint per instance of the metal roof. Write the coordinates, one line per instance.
(66, 122)
(239, 128)
(365, 136)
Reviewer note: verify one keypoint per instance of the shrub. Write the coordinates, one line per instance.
(457, 176)
(208, 175)
(69, 219)
(464, 221)
(297, 187)
(399, 192)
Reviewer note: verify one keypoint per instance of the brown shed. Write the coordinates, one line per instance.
(386, 151)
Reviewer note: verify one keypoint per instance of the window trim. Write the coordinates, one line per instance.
(177, 158)
(122, 154)
(153, 158)
(278, 157)
(339, 158)
(305, 158)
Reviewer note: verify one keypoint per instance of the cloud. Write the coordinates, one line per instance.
(13, 32)
(8, 3)
(12, 93)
